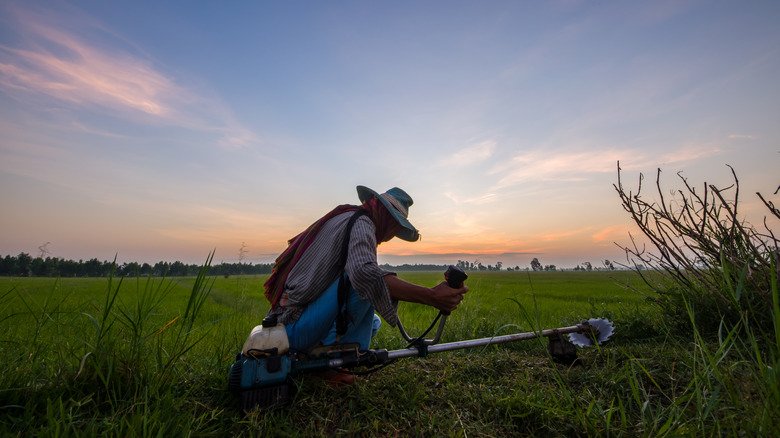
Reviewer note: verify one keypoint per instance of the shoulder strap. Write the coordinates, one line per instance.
(347, 234)
(344, 284)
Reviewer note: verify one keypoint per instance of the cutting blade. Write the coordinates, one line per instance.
(605, 328)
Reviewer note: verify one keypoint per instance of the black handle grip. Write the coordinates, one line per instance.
(455, 277)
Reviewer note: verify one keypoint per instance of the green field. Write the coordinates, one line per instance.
(141, 357)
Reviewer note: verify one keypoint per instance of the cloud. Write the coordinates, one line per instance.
(561, 235)
(484, 198)
(688, 153)
(470, 155)
(63, 66)
(578, 165)
(67, 56)
(540, 165)
(741, 136)
(611, 233)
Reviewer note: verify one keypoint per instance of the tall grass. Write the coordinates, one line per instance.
(716, 280)
(78, 368)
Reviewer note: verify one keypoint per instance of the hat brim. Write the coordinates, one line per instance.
(408, 231)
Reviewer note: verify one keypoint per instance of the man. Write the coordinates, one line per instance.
(303, 288)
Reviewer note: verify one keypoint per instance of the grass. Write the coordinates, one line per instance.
(145, 356)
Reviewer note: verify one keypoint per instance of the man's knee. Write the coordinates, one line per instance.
(376, 324)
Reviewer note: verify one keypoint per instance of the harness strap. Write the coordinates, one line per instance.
(342, 319)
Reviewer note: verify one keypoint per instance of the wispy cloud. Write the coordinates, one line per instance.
(611, 233)
(541, 165)
(63, 66)
(561, 235)
(742, 136)
(483, 198)
(52, 60)
(470, 155)
(686, 153)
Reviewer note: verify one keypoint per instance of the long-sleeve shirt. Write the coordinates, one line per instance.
(318, 268)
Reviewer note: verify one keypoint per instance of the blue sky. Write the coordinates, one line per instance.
(163, 130)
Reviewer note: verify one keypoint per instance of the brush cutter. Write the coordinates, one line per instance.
(262, 376)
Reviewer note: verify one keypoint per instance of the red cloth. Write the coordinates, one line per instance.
(386, 225)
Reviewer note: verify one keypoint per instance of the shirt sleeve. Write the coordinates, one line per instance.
(364, 272)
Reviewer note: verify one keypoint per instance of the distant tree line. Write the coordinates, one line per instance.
(415, 267)
(24, 265)
(478, 266)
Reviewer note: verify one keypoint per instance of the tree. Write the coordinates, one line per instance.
(177, 269)
(92, 268)
(160, 268)
(131, 269)
(536, 265)
(68, 268)
(38, 267)
(7, 264)
(23, 262)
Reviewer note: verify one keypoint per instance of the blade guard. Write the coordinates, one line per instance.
(602, 331)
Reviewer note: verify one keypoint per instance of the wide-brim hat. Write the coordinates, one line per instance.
(397, 203)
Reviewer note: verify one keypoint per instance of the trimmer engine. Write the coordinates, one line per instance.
(263, 378)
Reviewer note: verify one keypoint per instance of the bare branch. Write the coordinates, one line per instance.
(701, 244)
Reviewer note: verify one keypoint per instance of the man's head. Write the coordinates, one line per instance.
(397, 203)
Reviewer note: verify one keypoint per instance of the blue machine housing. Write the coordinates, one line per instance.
(262, 382)
(267, 371)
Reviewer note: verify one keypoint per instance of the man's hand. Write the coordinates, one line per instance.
(446, 298)
(440, 296)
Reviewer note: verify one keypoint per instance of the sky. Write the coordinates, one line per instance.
(160, 131)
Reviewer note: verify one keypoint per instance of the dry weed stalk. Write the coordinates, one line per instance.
(702, 247)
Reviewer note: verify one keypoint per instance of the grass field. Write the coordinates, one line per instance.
(142, 357)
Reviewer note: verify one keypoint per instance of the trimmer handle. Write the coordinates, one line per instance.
(455, 278)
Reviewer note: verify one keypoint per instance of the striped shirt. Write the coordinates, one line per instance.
(318, 268)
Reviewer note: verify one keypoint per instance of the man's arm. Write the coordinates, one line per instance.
(440, 296)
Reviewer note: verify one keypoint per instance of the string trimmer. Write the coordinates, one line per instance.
(262, 373)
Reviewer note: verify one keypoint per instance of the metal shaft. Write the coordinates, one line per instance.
(459, 345)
